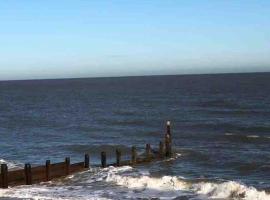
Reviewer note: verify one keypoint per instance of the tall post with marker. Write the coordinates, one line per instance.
(168, 140)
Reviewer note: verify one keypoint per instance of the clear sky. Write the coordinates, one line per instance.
(88, 38)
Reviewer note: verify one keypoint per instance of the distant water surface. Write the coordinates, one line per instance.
(220, 127)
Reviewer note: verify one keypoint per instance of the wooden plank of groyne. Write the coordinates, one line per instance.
(77, 167)
(143, 160)
(38, 174)
(58, 170)
(16, 177)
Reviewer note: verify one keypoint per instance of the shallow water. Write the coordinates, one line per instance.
(220, 127)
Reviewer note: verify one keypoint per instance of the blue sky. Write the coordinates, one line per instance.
(81, 38)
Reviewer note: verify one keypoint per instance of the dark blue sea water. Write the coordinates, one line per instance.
(220, 129)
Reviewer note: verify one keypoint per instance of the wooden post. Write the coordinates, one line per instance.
(148, 151)
(168, 140)
(118, 157)
(28, 174)
(48, 170)
(161, 150)
(103, 159)
(168, 127)
(67, 162)
(86, 161)
(4, 176)
(167, 146)
(133, 155)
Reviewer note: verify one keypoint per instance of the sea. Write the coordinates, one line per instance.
(220, 127)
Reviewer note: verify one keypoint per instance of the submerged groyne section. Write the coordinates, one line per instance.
(50, 171)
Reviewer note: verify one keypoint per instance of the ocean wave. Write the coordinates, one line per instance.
(10, 164)
(247, 137)
(146, 182)
(253, 136)
(228, 189)
(130, 183)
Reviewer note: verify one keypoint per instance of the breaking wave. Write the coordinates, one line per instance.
(129, 183)
(11, 165)
(228, 189)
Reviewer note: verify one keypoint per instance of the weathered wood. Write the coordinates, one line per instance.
(59, 165)
(103, 159)
(4, 176)
(48, 170)
(168, 127)
(67, 163)
(133, 155)
(38, 174)
(148, 151)
(118, 157)
(168, 148)
(143, 160)
(16, 177)
(161, 150)
(57, 170)
(168, 140)
(77, 167)
(28, 174)
(86, 161)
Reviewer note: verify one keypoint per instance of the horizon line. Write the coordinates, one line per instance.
(127, 76)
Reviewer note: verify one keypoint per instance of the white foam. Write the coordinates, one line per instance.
(128, 182)
(77, 186)
(10, 164)
(165, 183)
(253, 136)
(56, 193)
(230, 189)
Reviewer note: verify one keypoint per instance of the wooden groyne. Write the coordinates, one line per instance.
(37, 174)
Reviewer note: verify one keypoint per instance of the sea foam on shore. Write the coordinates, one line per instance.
(127, 183)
